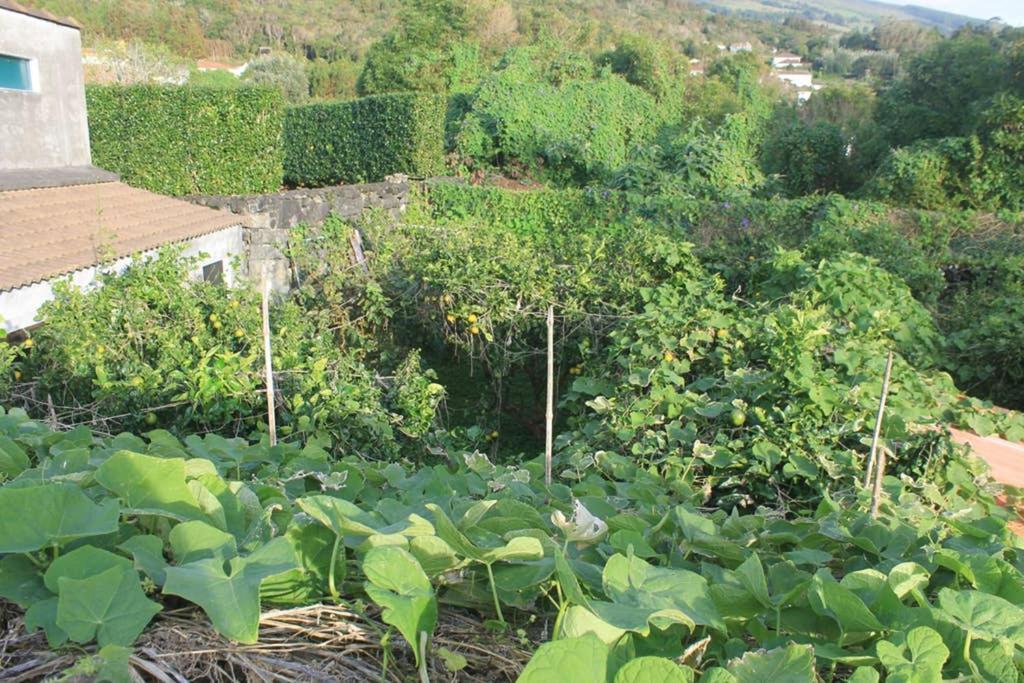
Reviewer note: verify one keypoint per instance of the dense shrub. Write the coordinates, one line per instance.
(364, 140)
(575, 129)
(180, 141)
(154, 347)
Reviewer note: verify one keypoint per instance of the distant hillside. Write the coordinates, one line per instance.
(345, 29)
(847, 13)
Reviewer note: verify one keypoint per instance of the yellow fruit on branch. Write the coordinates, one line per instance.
(474, 330)
(450, 318)
(471, 318)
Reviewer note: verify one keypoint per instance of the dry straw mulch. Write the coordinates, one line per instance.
(314, 643)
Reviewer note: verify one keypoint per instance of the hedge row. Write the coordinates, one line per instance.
(178, 141)
(364, 140)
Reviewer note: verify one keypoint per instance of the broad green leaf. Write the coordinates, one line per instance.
(338, 515)
(21, 582)
(13, 459)
(567, 580)
(863, 674)
(112, 664)
(522, 548)
(195, 540)
(984, 616)
(149, 485)
(717, 675)
(396, 582)
(109, 607)
(908, 577)
(81, 563)
(751, 575)
(578, 659)
(995, 661)
(842, 605)
(519, 548)
(433, 554)
(653, 670)
(59, 513)
(148, 552)
(790, 664)
(917, 660)
(632, 582)
(231, 599)
(43, 615)
(579, 621)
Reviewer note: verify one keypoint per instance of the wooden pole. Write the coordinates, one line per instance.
(268, 365)
(876, 489)
(549, 414)
(873, 456)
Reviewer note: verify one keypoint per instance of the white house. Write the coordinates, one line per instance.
(798, 78)
(786, 60)
(61, 217)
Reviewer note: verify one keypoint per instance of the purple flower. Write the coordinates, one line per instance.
(726, 205)
(745, 222)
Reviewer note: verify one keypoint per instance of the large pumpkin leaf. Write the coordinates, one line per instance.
(630, 581)
(148, 552)
(43, 615)
(196, 540)
(984, 616)
(13, 459)
(231, 599)
(59, 513)
(840, 604)
(917, 658)
(653, 670)
(150, 485)
(109, 606)
(790, 664)
(81, 563)
(519, 548)
(396, 582)
(579, 659)
(20, 581)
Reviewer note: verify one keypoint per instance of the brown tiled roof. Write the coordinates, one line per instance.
(15, 6)
(57, 230)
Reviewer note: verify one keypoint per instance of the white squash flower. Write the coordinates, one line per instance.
(583, 528)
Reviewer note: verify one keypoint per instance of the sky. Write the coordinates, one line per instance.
(1011, 11)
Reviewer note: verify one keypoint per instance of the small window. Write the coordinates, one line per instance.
(15, 73)
(214, 273)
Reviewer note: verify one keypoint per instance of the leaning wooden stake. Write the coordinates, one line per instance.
(268, 365)
(873, 456)
(876, 489)
(549, 414)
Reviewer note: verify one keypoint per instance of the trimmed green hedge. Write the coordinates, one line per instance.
(183, 140)
(364, 140)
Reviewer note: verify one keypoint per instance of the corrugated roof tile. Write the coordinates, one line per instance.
(48, 232)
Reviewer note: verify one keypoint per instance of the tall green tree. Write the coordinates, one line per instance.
(414, 55)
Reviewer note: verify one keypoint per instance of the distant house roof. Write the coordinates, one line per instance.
(52, 231)
(213, 64)
(786, 55)
(15, 6)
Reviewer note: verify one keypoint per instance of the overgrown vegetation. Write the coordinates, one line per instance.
(728, 272)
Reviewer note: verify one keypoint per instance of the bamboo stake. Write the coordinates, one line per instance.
(876, 489)
(549, 414)
(873, 456)
(268, 365)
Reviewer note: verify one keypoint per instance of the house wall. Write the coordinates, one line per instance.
(19, 307)
(269, 218)
(46, 127)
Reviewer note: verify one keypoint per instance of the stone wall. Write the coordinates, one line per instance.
(269, 218)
